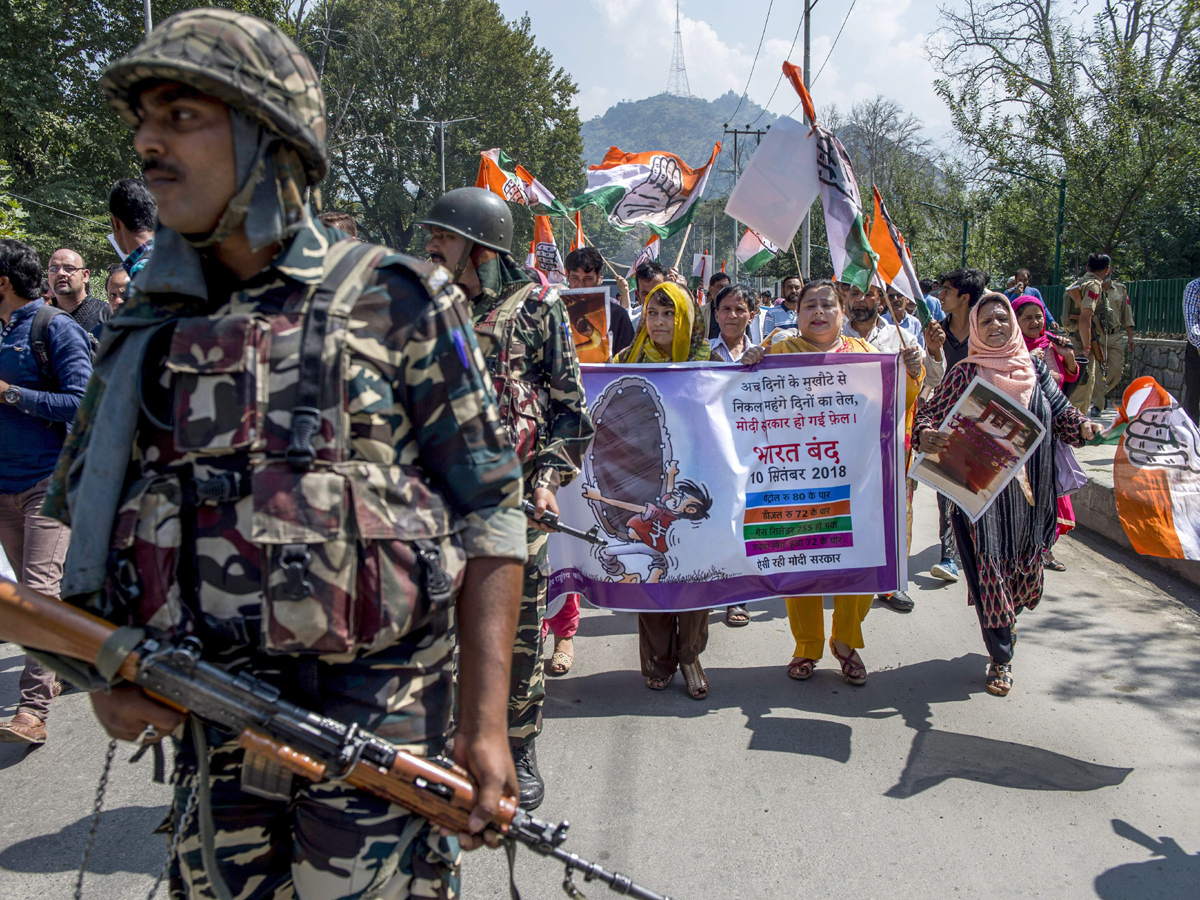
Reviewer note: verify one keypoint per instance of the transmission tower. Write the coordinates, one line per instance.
(677, 82)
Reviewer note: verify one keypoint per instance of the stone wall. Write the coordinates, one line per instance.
(1157, 357)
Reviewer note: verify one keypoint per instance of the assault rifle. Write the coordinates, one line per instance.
(299, 741)
(551, 521)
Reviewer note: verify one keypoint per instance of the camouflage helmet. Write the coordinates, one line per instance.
(476, 214)
(242, 61)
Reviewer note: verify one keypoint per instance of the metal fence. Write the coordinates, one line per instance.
(1157, 305)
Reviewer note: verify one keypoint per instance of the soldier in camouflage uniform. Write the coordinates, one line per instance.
(291, 451)
(525, 337)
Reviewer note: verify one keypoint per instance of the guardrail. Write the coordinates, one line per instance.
(1157, 304)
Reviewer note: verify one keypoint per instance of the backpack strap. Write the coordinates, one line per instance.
(348, 266)
(39, 332)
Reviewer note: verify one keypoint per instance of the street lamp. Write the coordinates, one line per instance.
(966, 225)
(442, 123)
(1062, 202)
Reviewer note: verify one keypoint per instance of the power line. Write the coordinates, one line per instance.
(56, 209)
(779, 80)
(761, 38)
(831, 48)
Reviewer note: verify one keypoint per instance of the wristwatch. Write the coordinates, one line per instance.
(12, 396)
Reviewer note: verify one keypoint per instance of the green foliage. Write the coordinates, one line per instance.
(11, 212)
(64, 144)
(1111, 105)
(385, 62)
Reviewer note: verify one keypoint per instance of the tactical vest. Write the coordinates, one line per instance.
(524, 405)
(250, 521)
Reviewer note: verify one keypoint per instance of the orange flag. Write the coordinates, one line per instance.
(796, 77)
(890, 263)
(546, 258)
(579, 240)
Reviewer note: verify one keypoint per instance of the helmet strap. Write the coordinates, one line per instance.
(468, 249)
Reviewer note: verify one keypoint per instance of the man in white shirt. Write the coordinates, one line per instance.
(863, 321)
(734, 317)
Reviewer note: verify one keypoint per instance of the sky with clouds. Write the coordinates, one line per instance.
(621, 50)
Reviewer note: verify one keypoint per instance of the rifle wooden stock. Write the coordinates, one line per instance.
(399, 785)
(42, 623)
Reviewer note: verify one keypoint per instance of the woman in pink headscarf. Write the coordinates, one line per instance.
(1002, 551)
(1060, 360)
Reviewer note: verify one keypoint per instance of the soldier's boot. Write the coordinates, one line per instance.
(531, 787)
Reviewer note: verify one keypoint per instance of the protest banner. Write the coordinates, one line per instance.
(991, 438)
(587, 311)
(719, 484)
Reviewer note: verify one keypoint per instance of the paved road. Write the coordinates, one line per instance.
(1082, 783)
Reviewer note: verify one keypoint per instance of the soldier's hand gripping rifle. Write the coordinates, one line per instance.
(551, 521)
(302, 742)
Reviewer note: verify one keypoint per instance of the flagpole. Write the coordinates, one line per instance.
(679, 255)
(799, 271)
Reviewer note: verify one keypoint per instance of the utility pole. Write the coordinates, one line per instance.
(1062, 202)
(805, 226)
(441, 124)
(149, 22)
(747, 131)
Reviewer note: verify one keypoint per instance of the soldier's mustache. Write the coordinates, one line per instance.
(154, 164)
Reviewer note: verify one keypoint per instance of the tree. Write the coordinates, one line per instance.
(1110, 104)
(65, 145)
(11, 212)
(387, 63)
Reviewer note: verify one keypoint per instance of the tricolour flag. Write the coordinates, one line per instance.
(657, 189)
(544, 251)
(701, 270)
(648, 252)
(514, 183)
(895, 262)
(754, 251)
(849, 250)
(1156, 473)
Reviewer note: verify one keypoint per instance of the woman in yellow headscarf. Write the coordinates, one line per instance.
(670, 331)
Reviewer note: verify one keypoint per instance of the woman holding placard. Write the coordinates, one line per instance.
(1002, 551)
(819, 317)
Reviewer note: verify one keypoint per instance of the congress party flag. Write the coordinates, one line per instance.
(895, 263)
(853, 258)
(647, 253)
(754, 251)
(498, 174)
(656, 189)
(544, 251)
(1156, 473)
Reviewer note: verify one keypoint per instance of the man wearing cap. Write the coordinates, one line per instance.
(316, 486)
(525, 337)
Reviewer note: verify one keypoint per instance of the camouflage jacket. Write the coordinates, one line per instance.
(217, 534)
(531, 356)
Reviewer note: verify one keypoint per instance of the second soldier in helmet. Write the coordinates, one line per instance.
(522, 330)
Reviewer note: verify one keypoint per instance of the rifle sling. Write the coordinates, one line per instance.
(116, 649)
(208, 853)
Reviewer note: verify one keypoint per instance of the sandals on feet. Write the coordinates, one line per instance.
(560, 663)
(737, 616)
(999, 679)
(696, 680)
(853, 669)
(659, 684)
(1049, 562)
(801, 668)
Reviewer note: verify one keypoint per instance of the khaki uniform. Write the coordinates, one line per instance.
(1111, 315)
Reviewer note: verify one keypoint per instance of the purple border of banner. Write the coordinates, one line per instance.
(678, 597)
